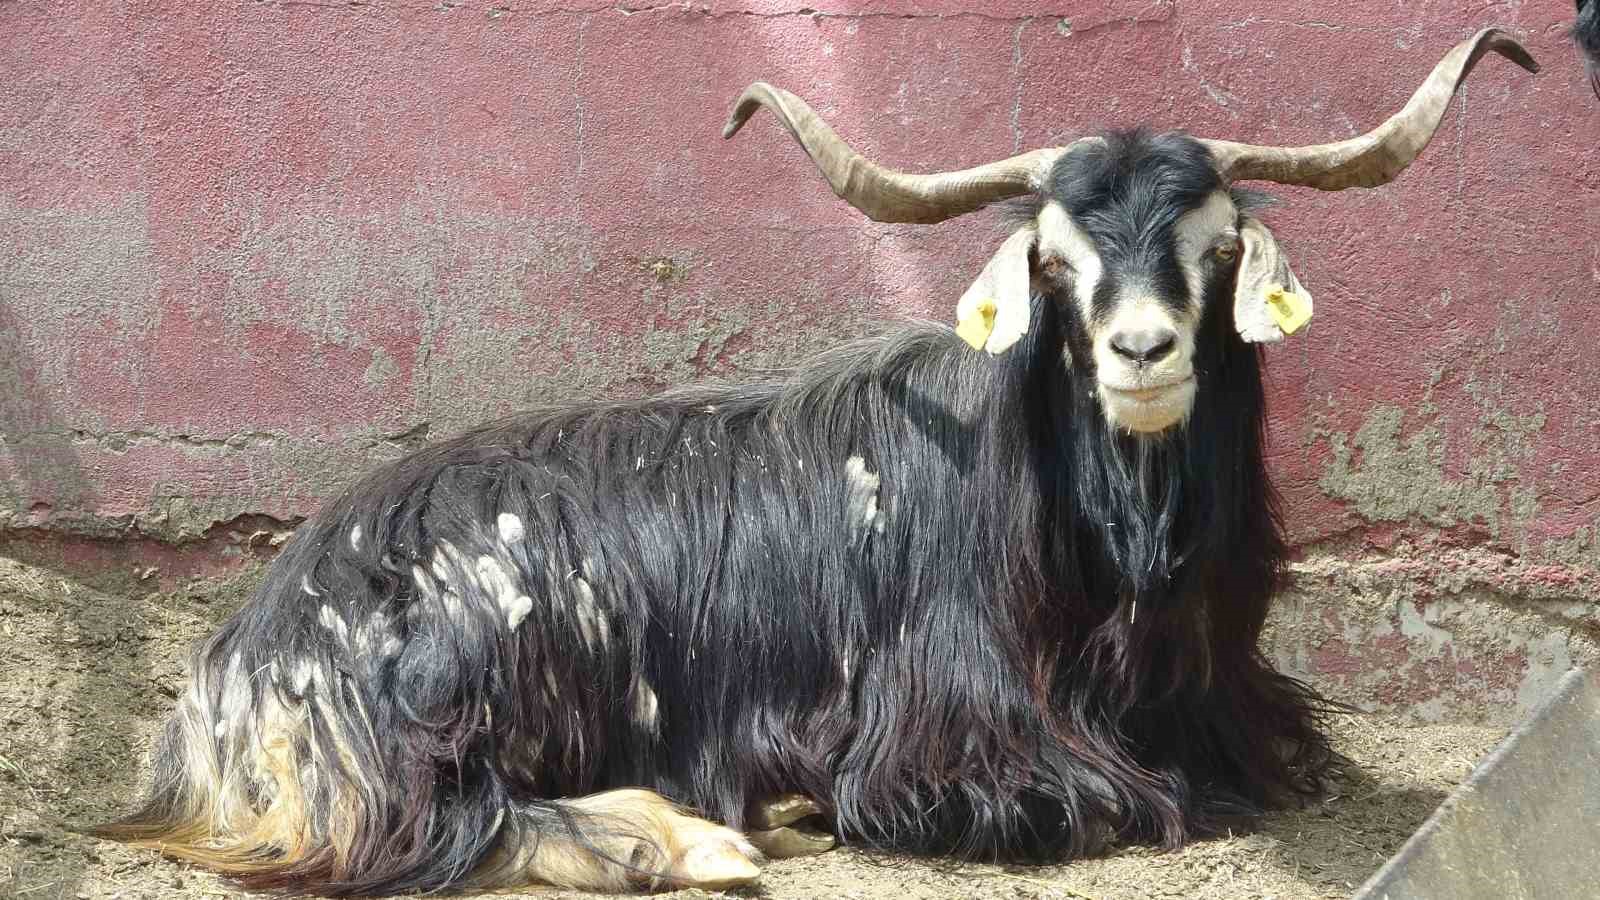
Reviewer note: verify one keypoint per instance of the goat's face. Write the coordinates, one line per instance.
(1137, 239)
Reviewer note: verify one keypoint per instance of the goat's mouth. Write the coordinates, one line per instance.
(1146, 408)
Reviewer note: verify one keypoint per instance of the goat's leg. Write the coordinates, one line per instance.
(615, 841)
(784, 826)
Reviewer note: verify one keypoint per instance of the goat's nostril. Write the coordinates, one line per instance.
(1147, 346)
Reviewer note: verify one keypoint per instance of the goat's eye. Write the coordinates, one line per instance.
(1054, 267)
(1226, 252)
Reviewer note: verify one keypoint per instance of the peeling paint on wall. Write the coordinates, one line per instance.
(1390, 473)
(1581, 548)
(1388, 636)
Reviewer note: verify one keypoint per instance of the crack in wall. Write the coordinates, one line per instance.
(701, 9)
(120, 441)
(1016, 80)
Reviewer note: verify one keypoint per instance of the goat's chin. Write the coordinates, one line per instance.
(1148, 411)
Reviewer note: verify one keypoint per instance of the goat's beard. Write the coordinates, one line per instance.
(1131, 488)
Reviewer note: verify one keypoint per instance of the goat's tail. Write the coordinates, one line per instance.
(270, 781)
(280, 780)
(240, 804)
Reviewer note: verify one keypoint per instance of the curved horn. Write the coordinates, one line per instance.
(1379, 155)
(884, 194)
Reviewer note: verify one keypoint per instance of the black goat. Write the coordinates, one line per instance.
(1586, 33)
(936, 600)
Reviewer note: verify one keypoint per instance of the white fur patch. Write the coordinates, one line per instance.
(862, 506)
(1061, 238)
(444, 558)
(1198, 233)
(591, 621)
(510, 527)
(355, 538)
(424, 583)
(432, 591)
(517, 610)
(335, 623)
(377, 635)
(305, 585)
(497, 582)
(1141, 312)
(450, 566)
(301, 677)
(234, 705)
(646, 708)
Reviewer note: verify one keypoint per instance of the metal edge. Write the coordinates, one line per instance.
(1414, 845)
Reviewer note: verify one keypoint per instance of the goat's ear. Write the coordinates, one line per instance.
(1268, 301)
(993, 314)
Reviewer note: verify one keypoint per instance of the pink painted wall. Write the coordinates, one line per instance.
(248, 248)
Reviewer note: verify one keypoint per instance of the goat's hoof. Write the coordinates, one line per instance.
(715, 866)
(786, 842)
(784, 809)
(777, 827)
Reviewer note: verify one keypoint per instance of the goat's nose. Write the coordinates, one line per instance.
(1146, 346)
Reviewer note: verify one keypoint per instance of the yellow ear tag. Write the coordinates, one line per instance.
(1288, 308)
(976, 326)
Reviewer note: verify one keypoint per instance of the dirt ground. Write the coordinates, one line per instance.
(87, 670)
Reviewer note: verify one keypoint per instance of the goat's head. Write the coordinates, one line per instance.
(1136, 238)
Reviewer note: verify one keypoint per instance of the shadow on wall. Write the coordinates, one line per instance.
(38, 465)
(98, 650)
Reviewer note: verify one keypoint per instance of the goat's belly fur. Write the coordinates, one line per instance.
(560, 648)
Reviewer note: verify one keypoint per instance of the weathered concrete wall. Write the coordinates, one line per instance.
(246, 249)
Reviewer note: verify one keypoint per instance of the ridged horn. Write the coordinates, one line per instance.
(886, 195)
(1378, 156)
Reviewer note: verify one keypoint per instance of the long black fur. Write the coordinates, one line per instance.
(1586, 34)
(1045, 634)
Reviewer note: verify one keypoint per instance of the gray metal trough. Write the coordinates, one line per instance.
(1526, 824)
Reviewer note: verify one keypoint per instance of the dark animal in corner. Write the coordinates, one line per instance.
(926, 599)
(1586, 33)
